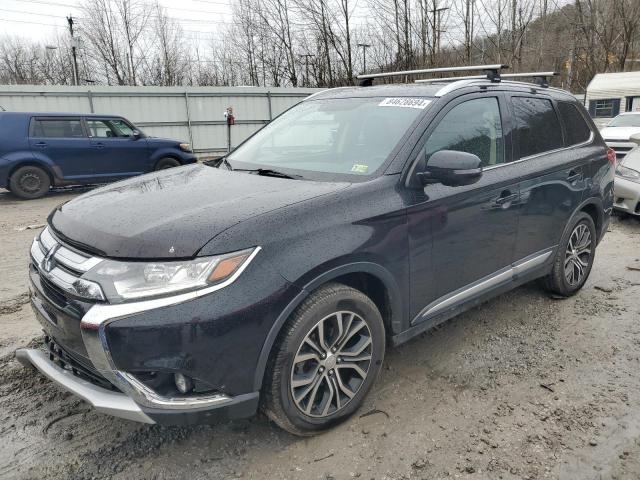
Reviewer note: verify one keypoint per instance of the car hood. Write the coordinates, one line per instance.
(632, 159)
(618, 133)
(173, 213)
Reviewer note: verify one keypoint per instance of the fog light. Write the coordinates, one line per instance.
(184, 384)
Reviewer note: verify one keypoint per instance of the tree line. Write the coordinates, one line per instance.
(325, 43)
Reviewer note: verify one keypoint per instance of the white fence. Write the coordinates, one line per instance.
(193, 114)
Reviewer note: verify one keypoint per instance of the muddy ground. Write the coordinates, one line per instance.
(524, 386)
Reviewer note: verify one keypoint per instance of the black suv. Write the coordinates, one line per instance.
(360, 217)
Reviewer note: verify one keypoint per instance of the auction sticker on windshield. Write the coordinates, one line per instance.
(405, 102)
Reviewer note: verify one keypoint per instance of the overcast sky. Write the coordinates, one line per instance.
(41, 19)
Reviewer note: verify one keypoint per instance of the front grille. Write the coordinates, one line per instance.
(61, 269)
(75, 364)
(53, 293)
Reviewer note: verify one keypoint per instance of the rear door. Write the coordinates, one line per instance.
(553, 172)
(116, 151)
(62, 142)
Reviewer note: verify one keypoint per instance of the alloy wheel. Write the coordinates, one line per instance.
(331, 364)
(577, 254)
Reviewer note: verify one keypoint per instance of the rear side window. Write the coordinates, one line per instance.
(56, 128)
(576, 128)
(537, 125)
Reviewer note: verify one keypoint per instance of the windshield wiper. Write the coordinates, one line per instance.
(217, 162)
(268, 172)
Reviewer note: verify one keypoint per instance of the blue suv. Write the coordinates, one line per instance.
(40, 150)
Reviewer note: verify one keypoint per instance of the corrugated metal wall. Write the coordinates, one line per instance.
(191, 114)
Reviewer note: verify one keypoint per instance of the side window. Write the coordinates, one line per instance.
(537, 126)
(576, 128)
(606, 107)
(56, 128)
(100, 129)
(473, 127)
(121, 127)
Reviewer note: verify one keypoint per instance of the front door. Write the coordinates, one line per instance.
(61, 142)
(117, 152)
(460, 236)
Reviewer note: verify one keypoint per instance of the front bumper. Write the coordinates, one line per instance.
(626, 196)
(214, 338)
(103, 400)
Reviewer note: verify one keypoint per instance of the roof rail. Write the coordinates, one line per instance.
(492, 72)
(540, 78)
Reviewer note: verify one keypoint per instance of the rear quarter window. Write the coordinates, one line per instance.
(537, 126)
(576, 128)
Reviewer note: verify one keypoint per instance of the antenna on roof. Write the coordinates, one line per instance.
(539, 78)
(492, 72)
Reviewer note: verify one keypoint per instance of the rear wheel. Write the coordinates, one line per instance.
(167, 162)
(29, 182)
(325, 361)
(574, 257)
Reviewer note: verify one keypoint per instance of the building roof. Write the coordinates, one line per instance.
(614, 85)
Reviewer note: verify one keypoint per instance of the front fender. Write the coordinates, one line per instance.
(312, 283)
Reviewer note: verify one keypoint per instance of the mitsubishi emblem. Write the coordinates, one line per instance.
(48, 261)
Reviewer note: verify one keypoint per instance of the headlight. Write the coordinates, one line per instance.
(185, 147)
(133, 280)
(628, 173)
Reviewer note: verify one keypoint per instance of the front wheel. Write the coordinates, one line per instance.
(574, 258)
(29, 182)
(325, 361)
(167, 162)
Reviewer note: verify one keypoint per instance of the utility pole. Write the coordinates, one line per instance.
(306, 67)
(364, 47)
(435, 29)
(73, 51)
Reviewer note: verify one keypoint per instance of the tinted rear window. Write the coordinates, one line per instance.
(537, 125)
(576, 128)
(56, 128)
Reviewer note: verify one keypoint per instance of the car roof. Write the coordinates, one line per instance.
(62, 114)
(436, 89)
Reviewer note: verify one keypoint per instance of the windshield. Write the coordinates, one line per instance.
(625, 121)
(338, 136)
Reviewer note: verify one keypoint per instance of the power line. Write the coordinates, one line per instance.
(32, 13)
(34, 23)
(51, 4)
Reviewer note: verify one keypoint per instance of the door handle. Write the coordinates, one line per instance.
(505, 198)
(98, 145)
(41, 144)
(574, 176)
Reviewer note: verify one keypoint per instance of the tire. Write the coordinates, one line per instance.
(29, 182)
(362, 337)
(167, 162)
(560, 281)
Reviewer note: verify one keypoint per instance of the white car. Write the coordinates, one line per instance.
(626, 189)
(619, 130)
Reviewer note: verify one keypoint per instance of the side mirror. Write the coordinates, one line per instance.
(136, 135)
(635, 138)
(452, 168)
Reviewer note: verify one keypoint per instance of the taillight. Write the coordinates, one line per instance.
(611, 156)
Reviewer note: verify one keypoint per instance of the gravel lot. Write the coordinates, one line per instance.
(524, 386)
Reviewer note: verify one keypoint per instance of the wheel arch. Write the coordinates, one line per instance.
(31, 163)
(170, 155)
(372, 279)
